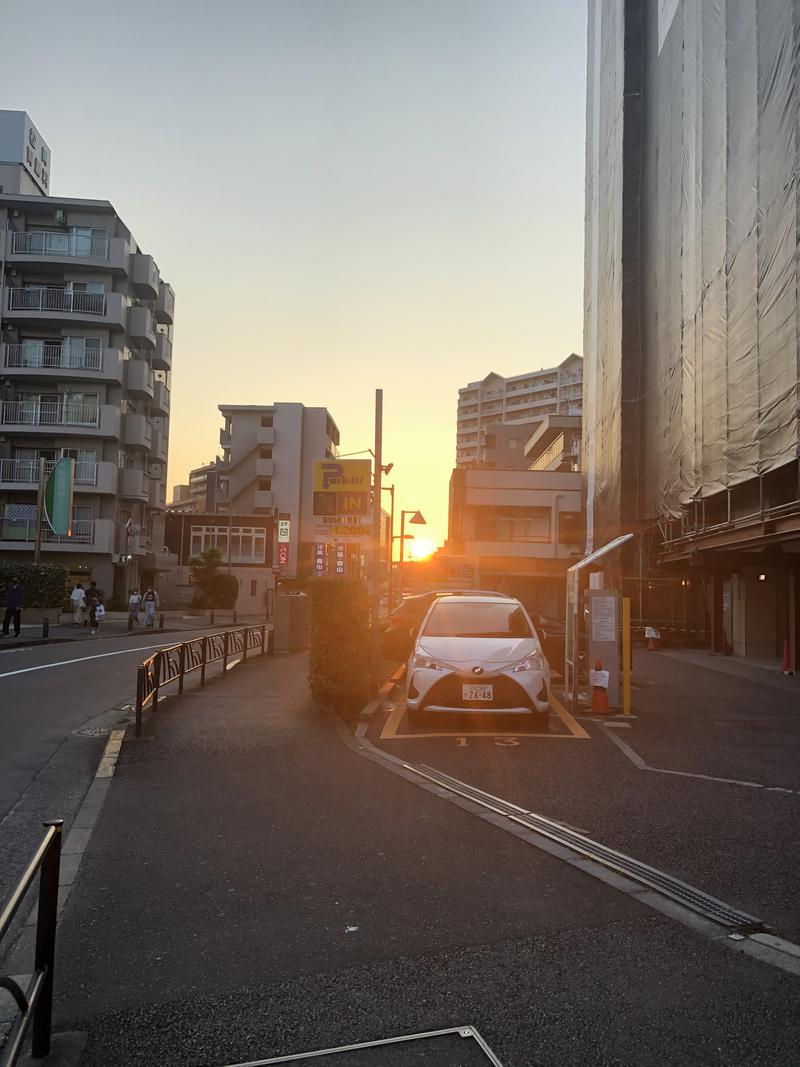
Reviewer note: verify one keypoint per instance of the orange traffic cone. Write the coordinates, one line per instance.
(653, 643)
(600, 695)
(787, 667)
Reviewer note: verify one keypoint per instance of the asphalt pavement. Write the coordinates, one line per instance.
(702, 782)
(59, 702)
(256, 887)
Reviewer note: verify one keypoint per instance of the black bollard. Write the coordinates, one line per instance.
(161, 621)
(211, 619)
(45, 627)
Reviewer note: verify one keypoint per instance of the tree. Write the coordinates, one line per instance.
(214, 589)
(203, 569)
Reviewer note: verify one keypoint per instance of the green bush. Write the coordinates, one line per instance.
(338, 629)
(45, 584)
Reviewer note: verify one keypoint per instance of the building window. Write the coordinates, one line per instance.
(265, 453)
(254, 587)
(264, 484)
(266, 420)
(514, 524)
(247, 544)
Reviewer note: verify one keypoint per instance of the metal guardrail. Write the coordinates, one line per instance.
(174, 663)
(35, 1004)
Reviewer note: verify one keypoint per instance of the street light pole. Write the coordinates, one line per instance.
(375, 650)
(416, 518)
(390, 489)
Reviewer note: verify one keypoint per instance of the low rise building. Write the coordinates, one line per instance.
(267, 468)
(244, 543)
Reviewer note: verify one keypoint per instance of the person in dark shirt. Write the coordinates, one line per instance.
(15, 599)
(94, 596)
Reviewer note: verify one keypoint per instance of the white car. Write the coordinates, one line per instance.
(477, 654)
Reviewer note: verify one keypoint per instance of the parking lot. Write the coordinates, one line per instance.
(701, 781)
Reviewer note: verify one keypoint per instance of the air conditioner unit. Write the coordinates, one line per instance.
(15, 213)
(60, 215)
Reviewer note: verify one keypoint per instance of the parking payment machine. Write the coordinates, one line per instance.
(602, 634)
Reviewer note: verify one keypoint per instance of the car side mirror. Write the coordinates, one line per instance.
(413, 631)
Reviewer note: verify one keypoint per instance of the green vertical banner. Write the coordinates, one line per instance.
(58, 497)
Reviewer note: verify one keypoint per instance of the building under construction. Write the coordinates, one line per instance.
(691, 310)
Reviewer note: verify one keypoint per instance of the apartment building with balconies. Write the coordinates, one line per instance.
(85, 361)
(268, 468)
(524, 399)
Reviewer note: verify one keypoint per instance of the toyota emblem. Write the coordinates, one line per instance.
(477, 670)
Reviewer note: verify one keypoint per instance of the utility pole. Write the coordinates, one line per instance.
(375, 649)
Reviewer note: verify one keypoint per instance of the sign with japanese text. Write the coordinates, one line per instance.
(342, 487)
(284, 528)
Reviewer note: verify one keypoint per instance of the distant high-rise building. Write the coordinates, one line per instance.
(523, 399)
(86, 355)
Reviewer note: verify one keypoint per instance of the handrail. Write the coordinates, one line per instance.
(173, 663)
(35, 1004)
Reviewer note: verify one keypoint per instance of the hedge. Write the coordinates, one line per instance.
(338, 630)
(45, 584)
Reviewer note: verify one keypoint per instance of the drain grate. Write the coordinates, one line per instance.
(663, 883)
(93, 731)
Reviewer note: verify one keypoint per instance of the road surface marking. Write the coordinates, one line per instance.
(83, 659)
(576, 731)
(640, 764)
(109, 761)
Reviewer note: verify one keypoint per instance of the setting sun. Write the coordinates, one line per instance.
(420, 548)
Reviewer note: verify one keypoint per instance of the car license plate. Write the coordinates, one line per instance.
(476, 692)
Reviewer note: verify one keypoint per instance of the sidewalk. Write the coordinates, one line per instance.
(115, 625)
(254, 887)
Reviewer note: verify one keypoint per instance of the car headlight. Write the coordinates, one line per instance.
(424, 659)
(534, 662)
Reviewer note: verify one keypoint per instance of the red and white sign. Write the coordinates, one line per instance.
(283, 554)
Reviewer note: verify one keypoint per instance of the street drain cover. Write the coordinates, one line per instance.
(93, 731)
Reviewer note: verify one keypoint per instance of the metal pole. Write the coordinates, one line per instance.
(46, 940)
(37, 543)
(139, 699)
(181, 667)
(224, 651)
(626, 655)
(376, 545)
(402, 551)
(391, 551)
(204, 661)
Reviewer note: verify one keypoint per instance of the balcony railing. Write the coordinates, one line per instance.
(26, 471)
(13, 529)
(55, 243)
(68, 357)
(49, 413)
(51, 299)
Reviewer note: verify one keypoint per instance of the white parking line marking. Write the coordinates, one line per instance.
(640, 764)
(83, 659)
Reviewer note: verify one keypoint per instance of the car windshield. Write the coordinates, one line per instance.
(477, 619)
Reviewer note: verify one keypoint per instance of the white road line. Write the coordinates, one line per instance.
(83, 659)
(637, 760)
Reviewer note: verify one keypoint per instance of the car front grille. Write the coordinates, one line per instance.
(506, 693)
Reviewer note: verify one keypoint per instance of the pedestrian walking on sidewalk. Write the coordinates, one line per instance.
(94, 596)
(134, 600)
(150, 601)
(15, 600)
(99, 615)
(78, 598)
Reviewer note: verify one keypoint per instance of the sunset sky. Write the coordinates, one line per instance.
(344, 194)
